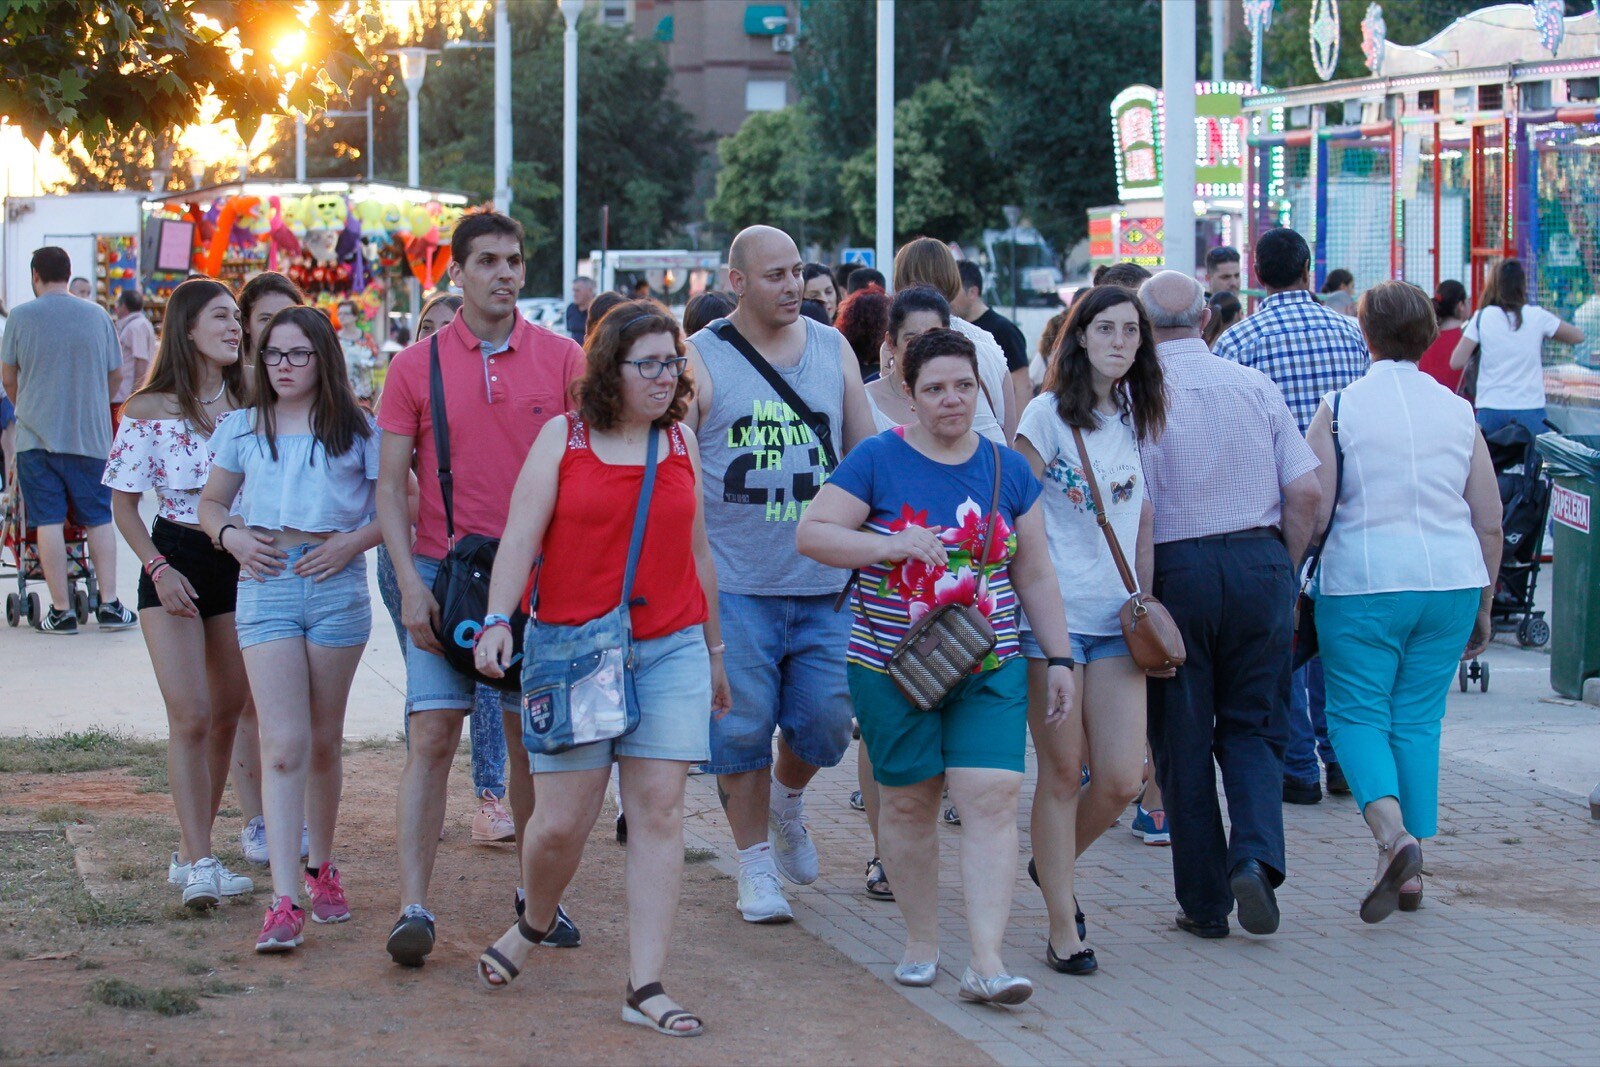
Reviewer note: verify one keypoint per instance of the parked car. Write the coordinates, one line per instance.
(547, 311)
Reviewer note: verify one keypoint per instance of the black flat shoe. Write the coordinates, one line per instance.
(1210, 929)
(1258, 906)
(1077, 912)
(1411, 900)
(1301, 792)
(1337, 785)
(1079, 963)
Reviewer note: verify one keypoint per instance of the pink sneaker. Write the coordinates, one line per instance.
(493, 822)
(327, 896)
(281, 930)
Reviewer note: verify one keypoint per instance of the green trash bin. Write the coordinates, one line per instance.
(1574, 464)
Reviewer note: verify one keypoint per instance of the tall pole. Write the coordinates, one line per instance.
(413, 136)
(1178, 145)
(1218, 18)
(371, 159)
(885, 216)
(299, 149)
(502, 106)
(570, 9)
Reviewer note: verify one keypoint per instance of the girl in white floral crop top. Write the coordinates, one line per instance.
(187, 587)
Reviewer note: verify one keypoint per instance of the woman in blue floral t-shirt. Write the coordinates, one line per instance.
(908, 508)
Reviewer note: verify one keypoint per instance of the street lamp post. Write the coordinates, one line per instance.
(1013, 216)
(570, 10)
(413, 66)
(884, 245)
(502, 106)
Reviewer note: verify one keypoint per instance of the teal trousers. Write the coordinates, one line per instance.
(1389, 659)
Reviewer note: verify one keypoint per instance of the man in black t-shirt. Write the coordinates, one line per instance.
(970, 306)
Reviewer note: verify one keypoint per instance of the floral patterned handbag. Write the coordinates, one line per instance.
(951, 641)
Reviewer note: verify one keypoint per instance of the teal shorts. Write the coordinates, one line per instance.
(982, 723)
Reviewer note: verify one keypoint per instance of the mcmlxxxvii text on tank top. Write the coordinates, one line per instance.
(762, 465)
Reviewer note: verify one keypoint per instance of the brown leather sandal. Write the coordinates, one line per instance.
(1411, 899)
(633, 1013)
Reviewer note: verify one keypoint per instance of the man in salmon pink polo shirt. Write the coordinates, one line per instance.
(504, 378)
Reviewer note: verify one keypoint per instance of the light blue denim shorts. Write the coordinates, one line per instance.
(431, 683)
(1086, 648)
(672, 677)
(333, 613)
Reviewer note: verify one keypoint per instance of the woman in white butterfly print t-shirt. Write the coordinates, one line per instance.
(1105, 379)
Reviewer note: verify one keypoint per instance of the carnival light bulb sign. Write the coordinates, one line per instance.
(1325, 37)
(1136, 129)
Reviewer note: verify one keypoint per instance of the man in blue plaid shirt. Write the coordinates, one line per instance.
(1308, 351)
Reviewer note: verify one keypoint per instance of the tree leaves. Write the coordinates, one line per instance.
(87, 68)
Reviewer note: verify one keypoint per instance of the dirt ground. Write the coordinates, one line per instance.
(768, 994)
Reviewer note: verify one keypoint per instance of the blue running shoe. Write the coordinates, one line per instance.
(1151, 826)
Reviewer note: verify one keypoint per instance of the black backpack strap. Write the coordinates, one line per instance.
(441, 439)
(729, 333)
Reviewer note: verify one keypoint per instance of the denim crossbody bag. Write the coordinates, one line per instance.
(577, 681)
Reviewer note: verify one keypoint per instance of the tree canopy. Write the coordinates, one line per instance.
(775, 171)
(97, 68)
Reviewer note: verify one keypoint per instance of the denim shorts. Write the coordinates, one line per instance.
(1086, 648)
(431, 683)
(672, 676)
(333, 613)
(785, 664)
(56, 485)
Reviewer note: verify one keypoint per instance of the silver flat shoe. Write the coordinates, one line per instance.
(1003, 988)
(917, 974)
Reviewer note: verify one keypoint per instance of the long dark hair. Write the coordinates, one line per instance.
(337, 421)
(1225, 311)
(176, 368)
(1141, 394)
(268, 281)
(1506, 289)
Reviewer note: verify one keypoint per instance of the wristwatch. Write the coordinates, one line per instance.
(1062, 661)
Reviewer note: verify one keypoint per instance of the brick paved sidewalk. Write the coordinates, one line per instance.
(1502, 964)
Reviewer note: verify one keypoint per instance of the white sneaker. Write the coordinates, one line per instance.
(230, 884)
(792, 849)
(253, 840)
(305, 842)
(761, 898)
(203, 888)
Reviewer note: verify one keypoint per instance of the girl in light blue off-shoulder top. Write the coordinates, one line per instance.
(306, 459)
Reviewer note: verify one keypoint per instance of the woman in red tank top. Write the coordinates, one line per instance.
(574, 506)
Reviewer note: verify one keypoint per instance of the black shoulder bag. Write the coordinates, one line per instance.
(1305, 608)
(462, 585)
(1467, 384)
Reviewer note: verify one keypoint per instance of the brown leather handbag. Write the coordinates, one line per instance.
(946, 645)
(1153, 638)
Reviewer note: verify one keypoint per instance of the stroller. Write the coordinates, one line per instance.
(17, 541)
(1525, 496)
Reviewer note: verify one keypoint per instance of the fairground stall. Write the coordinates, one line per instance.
(356, 244)
(1479, 144)
(1133, 229)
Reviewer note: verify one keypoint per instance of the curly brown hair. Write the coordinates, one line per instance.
(608, 345)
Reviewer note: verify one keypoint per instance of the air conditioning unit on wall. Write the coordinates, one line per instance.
(783, 42)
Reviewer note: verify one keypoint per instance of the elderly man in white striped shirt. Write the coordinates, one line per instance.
(1236, 493)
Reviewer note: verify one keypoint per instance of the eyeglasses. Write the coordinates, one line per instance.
(296, 357)
(650, 369)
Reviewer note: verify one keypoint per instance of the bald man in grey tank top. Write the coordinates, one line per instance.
(762, 463)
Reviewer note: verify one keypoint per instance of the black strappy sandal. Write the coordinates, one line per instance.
(632, 1013)
(493, 961)
(877, 881)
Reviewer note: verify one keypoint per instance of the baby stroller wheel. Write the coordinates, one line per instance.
(33, 609)
(13, 609)
(1533, 632)
(1483, 678)
(1461, 676)
(80, 606)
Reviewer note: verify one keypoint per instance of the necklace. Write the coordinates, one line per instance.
(220, 391)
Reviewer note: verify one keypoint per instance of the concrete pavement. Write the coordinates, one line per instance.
(1499, 966)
